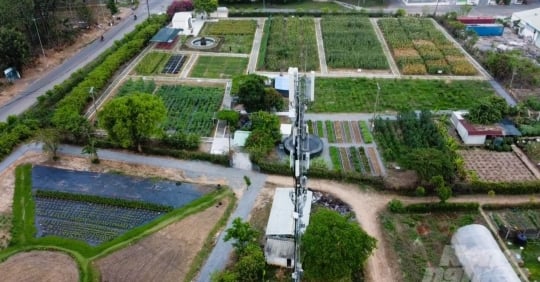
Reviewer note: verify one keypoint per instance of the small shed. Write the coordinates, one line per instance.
(473, 134)
(279, 246)
(529, 24)
(480, 256)
(182, 20)
(281, 84)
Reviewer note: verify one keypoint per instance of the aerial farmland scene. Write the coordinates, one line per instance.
(219, 141)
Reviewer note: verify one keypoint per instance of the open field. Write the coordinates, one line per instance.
(419, 47)
(302, 4)
(496, 166)
(139, 85)
(166, 255)
(358, 95)
(190, 109)
(291, 42)
(40, 266)
(219, 67)
(350, 42)
(236, 35)
(422, 244)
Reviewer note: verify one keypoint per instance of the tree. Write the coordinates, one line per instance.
(231, 116)
(205, 6)
(333, 248)
(91, 149)
(130, 119)
(273, 101)
(50, 137)
(111, 5)
(15, 50)
(179, 6)
(443, 192)
(251, 93)
(489, 110)
(242, 233)
(265, 133)
(251, 264)
(429, 162)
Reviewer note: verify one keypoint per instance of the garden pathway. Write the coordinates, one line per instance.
(386, 50)
(189, 65)
(320, 46)
(252, 65)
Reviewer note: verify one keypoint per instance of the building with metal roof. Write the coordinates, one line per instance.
(529, 24)
(279, 247)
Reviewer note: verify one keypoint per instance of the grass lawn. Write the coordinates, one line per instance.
(367, 3)
(530, 257)
(152, 63)
(335, 95)
(236, 35)
(303, 4)
(420, 240)
(219, 67)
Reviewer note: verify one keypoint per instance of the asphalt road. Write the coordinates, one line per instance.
(28, 97)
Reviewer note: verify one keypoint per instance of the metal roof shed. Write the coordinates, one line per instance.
(166, 35)
(281, 221)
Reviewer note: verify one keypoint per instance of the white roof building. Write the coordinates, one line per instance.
(529, 24)
(279, 248)
(182, 20)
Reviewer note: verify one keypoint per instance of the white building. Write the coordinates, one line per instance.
(471, 134)
(279, 247)
(529, 24)
(183, 20)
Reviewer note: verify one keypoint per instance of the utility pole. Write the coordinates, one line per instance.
(300, 165)
(39, 38)
(148, 8)
(436, 7)
(376, 105)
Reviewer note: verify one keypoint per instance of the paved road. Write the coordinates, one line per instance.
(28, 97)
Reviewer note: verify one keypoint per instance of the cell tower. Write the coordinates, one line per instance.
(300, 165)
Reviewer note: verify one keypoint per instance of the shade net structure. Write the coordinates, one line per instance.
(166, 35)
(480, 256)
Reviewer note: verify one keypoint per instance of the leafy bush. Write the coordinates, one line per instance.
(433, 207)
(396, 206)
(364, 128)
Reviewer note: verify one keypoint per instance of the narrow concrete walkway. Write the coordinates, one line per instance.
(320, 46)
(189, 65)
(393, 67)
(213, 54)
(254, 55)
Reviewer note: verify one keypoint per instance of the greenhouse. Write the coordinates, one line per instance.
(480, 256)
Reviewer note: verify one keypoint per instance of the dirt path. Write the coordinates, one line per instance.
(367, 204)
(40, 266)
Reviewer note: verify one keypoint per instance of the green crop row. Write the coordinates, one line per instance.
(152, 63)
(335, 156)
(102, 200)
(351, 42)
(227, 27)
(264, 43)
(320, 129)
(330, 134)
(139, 85)
(366, 134)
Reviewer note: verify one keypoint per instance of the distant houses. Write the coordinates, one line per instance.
(529, 24)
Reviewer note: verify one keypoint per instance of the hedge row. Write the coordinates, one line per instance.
(351, 177)
(525, 206)
(436, 207)
(505, 188)
(306, 13)
(68, 114)
(103, 201)
(188, 155)
(19, 129)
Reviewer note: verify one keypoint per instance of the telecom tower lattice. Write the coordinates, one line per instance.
(300, 164)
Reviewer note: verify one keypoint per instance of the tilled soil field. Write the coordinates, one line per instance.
(40, 266)
(496, 166)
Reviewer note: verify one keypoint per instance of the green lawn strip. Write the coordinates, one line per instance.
(336, 158)
(348, 137)
(151, 63)
(320, 130)
(335, 95)
(530, 257)
(264, 43)
(236, 35)
(23, 229)
(330, 131)
(366, 134)
(210, 240)
(304, 5)
(219, 67)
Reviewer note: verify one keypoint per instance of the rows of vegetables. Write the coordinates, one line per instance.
(236, 35)
(419, 47)
(351, 159)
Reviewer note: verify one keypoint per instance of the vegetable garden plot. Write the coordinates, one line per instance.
(292, 42)
(109, 185)
(92, 223)
(354, 159)
(139, 85)
(191, 109)
(219, 67)
(419, 47)
(174, 64)
(351, 42)
(151, 63)
(236, 35)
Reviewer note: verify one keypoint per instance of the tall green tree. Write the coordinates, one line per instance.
(14, 49)
(111, 5)
(50, 138)
(429, 162)
(334, 248)
(251, 93)
(205, 6)
(130, 119)
(242, 233)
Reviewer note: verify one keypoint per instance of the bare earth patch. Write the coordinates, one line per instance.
(496, 166)
(165, 255)
(41, 266)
